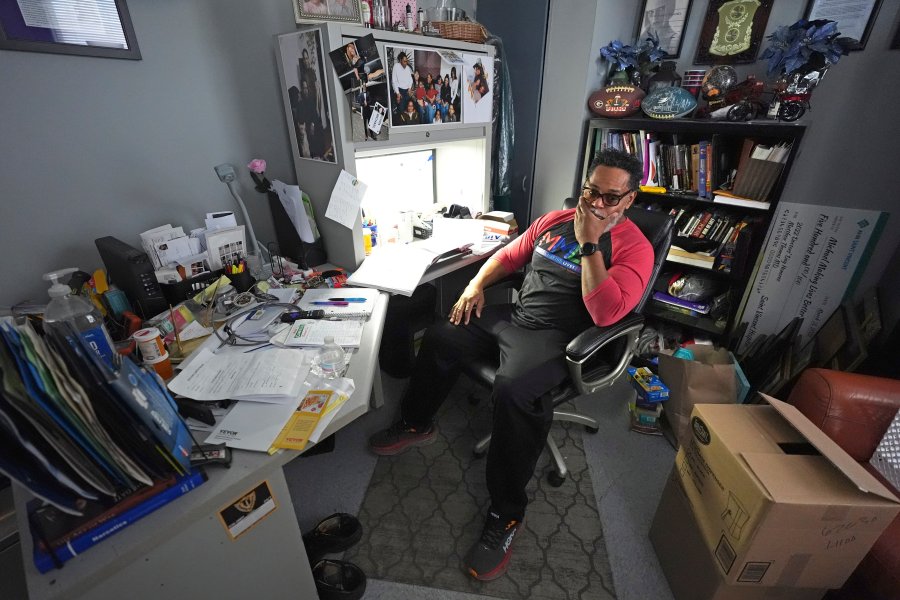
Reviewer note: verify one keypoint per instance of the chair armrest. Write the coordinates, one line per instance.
(853, 410)
(592, 339)
(512, 280)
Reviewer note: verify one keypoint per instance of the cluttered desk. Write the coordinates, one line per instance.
(258, 371)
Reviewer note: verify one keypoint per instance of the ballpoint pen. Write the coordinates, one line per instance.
(346, 299)
(331, 303)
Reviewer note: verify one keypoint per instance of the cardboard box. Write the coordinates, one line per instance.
(499, 225)
(689, 567)
(650, 388)
(777, 501)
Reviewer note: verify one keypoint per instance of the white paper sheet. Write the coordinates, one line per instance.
(254, 425)
(222, 219)
(346, 198)
(275, 375)
(312, 332)
(292, 200)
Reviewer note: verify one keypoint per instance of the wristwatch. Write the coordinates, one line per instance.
(589, 248)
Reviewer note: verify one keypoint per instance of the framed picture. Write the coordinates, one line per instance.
(98, 28)
(425, 86)
(854, 17)
(666, 19)
(306, 95)
(732, 31)
(316, 11)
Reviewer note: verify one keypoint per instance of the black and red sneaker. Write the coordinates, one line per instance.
(400, 436)
(489, 557)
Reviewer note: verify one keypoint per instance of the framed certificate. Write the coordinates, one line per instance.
(854, 17)
(82, 27)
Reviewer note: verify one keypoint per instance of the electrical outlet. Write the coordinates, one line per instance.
(225, 172)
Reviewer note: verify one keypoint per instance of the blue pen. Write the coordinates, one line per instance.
(330, 303)
(346, 299)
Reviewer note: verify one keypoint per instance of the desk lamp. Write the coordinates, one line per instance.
(226, 175)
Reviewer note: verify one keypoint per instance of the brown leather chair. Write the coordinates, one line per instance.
(855, 411)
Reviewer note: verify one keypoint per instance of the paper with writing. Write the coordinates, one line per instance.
(275, 375)
(292, 200)
(346, 198)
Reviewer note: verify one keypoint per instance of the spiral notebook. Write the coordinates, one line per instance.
(348, 303)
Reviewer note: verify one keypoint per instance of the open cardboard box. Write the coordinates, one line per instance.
(776, 501)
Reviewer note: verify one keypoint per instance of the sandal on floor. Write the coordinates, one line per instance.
(339, 580)
(332, 534)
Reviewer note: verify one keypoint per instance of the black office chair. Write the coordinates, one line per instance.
(598, 355)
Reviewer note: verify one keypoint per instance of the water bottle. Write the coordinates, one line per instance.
(64, 308)
(329, 361)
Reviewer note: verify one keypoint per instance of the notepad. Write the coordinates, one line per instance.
(312, 332)
(360, 302)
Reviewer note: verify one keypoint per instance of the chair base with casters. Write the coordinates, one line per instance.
(596, 358)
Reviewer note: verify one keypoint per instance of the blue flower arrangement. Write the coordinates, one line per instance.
(623, 56)
(793, 47)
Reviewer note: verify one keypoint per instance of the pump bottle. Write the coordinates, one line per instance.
(66, 309)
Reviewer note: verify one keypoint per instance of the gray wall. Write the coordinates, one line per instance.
(95, 146)
(848, 157)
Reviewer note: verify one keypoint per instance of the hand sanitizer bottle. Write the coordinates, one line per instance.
(65, 309)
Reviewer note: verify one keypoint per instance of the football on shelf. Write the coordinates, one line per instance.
(669, 103)
(616, 101)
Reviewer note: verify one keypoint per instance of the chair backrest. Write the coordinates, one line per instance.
(657, 228)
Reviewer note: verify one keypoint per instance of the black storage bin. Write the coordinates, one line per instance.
(405, 316)
(176, 293)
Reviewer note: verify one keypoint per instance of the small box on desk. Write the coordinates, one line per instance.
(650, 388)
(500, 224)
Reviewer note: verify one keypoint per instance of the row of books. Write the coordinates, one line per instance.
(677, 167)
(699, 167)
(78, 431)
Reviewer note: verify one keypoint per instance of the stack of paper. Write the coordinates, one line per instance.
(275, 376)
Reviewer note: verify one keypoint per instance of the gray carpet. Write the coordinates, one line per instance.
(424, 508)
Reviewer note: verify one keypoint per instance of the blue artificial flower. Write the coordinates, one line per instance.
(794, 47)
(619, 54)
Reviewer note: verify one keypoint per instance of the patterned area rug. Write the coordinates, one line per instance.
(424, 508)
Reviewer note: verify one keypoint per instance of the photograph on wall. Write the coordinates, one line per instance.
(361, 73)
(316, 11)
(665, 19)
(308, 110)
(478, 96)
(424, 86)
(732, 31)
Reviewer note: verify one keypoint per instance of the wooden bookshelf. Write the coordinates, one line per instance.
(736, 270)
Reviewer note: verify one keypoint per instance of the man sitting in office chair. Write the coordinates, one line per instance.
(589, 265)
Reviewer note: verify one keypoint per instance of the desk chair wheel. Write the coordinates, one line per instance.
(590, 429)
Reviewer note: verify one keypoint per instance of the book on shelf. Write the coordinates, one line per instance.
(47, 557)
(700, 307)
(701, 168)
(725, 197)
(697, 259)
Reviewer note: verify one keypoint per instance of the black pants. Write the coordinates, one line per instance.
(531, 363)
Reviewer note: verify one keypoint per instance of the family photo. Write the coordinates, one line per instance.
(478, 96)
(361, 73)
(307, 96)
(425, 86)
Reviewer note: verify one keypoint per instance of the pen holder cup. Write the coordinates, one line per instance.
(241, 281)
(178, 292)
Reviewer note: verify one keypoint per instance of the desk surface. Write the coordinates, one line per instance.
(82, 573)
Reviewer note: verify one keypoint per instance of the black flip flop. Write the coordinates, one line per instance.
(332, 534)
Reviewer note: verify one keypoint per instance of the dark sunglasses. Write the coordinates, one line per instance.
(608, 198)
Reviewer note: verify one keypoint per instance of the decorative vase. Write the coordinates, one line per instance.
(618, 76)
(664, 77)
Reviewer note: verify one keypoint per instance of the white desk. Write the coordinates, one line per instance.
(183, 551)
